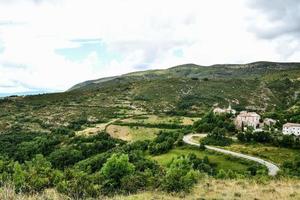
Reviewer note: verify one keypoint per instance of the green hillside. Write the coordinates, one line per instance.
(123, 135)
(183, 90)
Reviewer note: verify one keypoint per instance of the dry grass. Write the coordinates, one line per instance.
(189, 120)
(230, 189)
(154, 119)
(132, 133)
(8, 193)
(120, 132)
(209, 188)
(92, 130)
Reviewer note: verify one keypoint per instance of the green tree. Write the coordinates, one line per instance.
(65, 157)
(180, 176)
(116, 167)
(18, 177)
(38, 173)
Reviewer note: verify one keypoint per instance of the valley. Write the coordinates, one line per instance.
(123, 137)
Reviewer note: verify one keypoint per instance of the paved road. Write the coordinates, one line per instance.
(273, 169)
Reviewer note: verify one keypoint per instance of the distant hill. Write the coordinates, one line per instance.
(225, 71)
(23, 93)
(181, 90)
(257, 86)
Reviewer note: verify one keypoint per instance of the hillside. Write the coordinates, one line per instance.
(191, 88)
(224, 71)
(182, 90)
(122, 135)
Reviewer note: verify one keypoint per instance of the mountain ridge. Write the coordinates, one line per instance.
(154, 73)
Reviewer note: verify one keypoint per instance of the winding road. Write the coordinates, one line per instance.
(273, 169)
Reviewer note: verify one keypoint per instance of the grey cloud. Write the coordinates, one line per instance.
(151, 50)
(283, 15)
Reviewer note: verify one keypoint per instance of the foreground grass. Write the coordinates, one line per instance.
(207, 188)
(230, 189)
(223, 161)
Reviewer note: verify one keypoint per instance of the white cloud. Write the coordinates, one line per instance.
(143, 33)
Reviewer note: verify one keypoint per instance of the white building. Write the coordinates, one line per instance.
(291, 128)
(225, 110)
(245, 119)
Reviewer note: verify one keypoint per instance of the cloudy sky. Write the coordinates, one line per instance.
(50, 45)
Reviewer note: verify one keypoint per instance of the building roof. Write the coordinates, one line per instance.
(219, 110)
(248, 114)
(288, 125)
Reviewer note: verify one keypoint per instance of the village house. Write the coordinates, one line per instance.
(291, 128)
(225, 110)
(244, 119)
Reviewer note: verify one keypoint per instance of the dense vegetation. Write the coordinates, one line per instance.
(217, 137)
(210, 121)
(81, 167)
(269, 137)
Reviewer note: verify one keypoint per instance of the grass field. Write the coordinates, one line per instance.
(222, 161)
(92, 130)
(132, 133)
(275, 154)
(155, 119)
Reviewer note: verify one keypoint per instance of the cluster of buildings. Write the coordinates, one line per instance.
(252, 119)
(228, 110)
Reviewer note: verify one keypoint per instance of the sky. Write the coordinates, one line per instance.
(50, 45)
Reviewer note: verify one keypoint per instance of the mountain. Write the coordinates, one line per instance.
(189, 90)
(256, 86)
(250, 70)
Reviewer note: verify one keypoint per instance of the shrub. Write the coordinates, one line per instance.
(39, 173)
(217, 137)
(18, 177)
(221, 174)
(164, 142)
(64, 157)
(133, 182)
(211, 121)
(115, 168)
(180, 176)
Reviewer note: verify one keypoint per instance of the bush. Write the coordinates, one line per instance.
(116, 167)
(211, 121)
(202, 165)
(39, 174)
(201, 146)
(79, 184)
(65, 157)
(164, 142)
(256, 169)
(217, 137)
(292, 167)
(133, 182)
(180, 176)
(18, 177)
